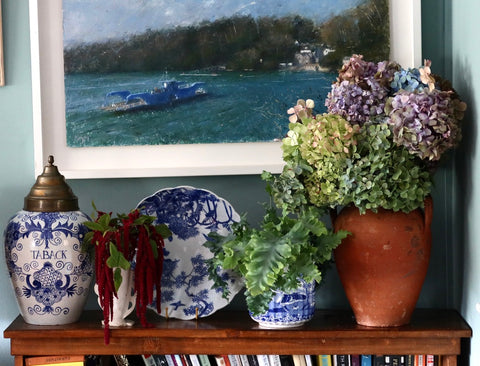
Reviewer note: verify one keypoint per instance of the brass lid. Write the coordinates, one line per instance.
(50, 193)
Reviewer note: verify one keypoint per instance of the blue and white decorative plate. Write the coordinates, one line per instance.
(191, 214)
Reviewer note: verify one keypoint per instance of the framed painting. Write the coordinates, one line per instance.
(210, 107)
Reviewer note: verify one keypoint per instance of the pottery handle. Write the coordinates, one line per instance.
(428, 212)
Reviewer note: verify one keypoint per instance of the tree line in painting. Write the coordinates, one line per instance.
(241, 43)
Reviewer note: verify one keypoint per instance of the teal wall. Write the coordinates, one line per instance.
(465, 58)
(450, 280)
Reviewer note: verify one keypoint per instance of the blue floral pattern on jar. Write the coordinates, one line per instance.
(289, 309)
(50, 274)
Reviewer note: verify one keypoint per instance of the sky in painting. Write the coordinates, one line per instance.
(87, 21)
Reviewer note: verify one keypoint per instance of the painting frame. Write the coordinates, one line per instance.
(48, 102)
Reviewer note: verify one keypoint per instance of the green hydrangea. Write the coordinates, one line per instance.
(330, 162)
(381, 174)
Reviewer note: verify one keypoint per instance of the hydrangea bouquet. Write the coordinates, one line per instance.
(385, 131)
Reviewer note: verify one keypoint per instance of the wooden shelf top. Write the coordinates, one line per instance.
(426, 323)
(330, 331)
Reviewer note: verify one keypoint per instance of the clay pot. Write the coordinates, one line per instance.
(383, 264)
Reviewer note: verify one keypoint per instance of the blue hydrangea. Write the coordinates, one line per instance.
(408, 80)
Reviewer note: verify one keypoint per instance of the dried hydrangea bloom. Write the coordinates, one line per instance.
(361, 90)
(425, 123)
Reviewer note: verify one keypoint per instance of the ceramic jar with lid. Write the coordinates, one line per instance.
(50, 273)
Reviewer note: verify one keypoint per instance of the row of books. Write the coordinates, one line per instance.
(240, 360)
(290, 360)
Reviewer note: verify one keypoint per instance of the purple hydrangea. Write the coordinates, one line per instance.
(424, 122)
(355, 104)
(361, 90)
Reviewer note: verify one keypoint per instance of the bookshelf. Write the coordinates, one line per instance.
(431, 331)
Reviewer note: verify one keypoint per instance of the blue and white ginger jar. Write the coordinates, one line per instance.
(50, 274)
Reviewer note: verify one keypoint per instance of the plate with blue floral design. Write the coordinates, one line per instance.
(191, 214)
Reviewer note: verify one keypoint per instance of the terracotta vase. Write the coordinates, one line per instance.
(383, 264)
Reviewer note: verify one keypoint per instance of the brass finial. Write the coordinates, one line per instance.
(50, 193)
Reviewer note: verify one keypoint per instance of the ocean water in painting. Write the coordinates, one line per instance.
(238, 107)
(256, 58)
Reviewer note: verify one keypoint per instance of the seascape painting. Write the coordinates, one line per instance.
(154, 72)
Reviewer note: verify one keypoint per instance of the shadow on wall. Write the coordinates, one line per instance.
(466, 169)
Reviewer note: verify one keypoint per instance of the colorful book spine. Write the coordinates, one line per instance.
(419, 360)
(430, 360)
(204, 360)
(366, 360)
(149, 360)
(55, 360)
(355, 360)
(324, 360)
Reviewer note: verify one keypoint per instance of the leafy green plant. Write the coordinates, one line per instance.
(117, 241)
(274, 257)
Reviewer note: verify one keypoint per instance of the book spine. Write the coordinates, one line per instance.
(161, 360)
(274, 360)
(252, 360)
(325, 360)
(45, 360)
(430, 360)
(194, 360)
(286, 360)
(222, 360)
(298, 360)
(396, 360)
(149, 360)
(366, 360)
(419, 360)
(170, 360)
(378, 360)
(186, 360)
(263, 360)
(355, 360)
(341, 360)
(204, 360)
(234, 360)
(178, 360)
(244, 360)
(409, 360)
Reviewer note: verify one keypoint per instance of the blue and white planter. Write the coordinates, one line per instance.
(289, 309)
(50, 274)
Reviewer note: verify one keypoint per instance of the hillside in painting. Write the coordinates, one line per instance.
(240, 43)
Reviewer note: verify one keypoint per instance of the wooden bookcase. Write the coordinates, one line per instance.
(438, 332)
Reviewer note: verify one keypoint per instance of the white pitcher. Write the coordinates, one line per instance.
(124, 303)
